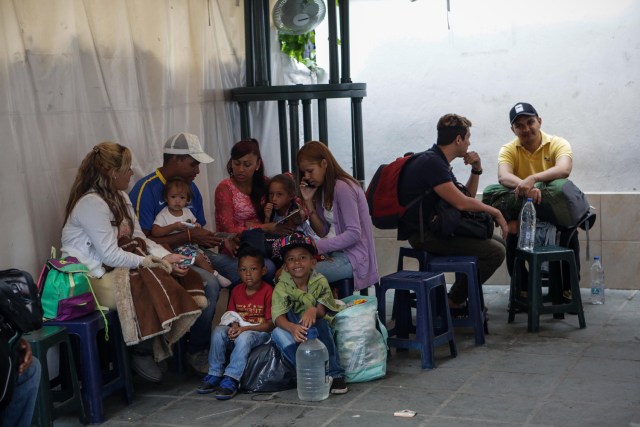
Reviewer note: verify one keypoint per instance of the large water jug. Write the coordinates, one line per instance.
(312, 366)
(527, 236)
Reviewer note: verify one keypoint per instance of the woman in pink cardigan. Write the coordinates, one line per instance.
(337, 210)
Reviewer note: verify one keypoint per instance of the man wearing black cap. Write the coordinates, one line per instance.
(533, 156)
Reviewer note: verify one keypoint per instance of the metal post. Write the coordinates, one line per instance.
(358, 144)
(345, 41)
(294, 130)
(245, 121)
(284, 141)
(306, 120)
(248, 43)
(323, 130)
(261, 53)
(267, 41)
(333, 43)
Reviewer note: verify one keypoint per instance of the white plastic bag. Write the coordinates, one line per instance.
(361, 339)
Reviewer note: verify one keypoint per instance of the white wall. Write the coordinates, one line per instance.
(577, 62)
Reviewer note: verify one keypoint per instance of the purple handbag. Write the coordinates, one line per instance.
(74, 307)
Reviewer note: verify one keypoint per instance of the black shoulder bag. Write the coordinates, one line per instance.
(446, 221)
(20, 312)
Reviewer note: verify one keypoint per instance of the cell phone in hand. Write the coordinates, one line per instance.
(188, 262)
(283, 220)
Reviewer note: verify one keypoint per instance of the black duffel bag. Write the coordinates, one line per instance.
(267, 371)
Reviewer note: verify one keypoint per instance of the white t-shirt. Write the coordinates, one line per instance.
(165, 218)
(328, 215)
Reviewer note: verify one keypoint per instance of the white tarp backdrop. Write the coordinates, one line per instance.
(74, 73)
(77, 72)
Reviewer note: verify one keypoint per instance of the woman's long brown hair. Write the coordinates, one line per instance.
(95, 174)
(315, 152)
(258, 182)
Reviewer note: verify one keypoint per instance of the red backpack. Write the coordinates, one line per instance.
(382, 195)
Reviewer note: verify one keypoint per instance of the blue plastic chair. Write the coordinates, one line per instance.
(344, 287)
(467, 265)
(96, 383)
(433, 320)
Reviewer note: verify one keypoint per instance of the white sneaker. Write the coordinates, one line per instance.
(224, 282)
(199, 362)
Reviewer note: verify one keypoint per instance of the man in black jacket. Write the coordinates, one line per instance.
(431, 170)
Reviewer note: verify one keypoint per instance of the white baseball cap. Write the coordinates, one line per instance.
(186, 143)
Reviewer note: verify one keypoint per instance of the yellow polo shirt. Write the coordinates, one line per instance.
(525, 163)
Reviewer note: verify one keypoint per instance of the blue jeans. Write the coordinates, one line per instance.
(200, 333)
(20, 409)
(288, 346)
(228, 267)
(336, 268)
(242, 346)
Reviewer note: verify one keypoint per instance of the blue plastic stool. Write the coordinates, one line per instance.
(433, 320)
(62, 394)
(418, 254)
(422, 257)
(96, 383)
(344, 287)
(466, 265)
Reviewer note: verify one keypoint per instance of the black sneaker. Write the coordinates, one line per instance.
(339, 386)
(146, 367)
(209, 384)
(227, 389)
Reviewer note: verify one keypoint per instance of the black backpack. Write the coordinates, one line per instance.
(20, 312)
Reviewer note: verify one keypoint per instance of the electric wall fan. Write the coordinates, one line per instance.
(298, 16)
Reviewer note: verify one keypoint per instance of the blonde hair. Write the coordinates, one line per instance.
(316, 152)
(95, 174)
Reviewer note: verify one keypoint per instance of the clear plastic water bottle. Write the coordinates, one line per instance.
(527, 236)
(597, 281)
(312, 367)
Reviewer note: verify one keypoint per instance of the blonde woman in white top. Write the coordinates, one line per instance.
(97, 215)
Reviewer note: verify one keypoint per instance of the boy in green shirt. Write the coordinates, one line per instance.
(302, 298)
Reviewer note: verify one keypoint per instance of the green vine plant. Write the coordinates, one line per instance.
(301, 47)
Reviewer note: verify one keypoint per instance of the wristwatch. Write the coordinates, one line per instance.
(475, 172)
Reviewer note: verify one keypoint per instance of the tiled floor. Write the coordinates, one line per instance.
(560, 376)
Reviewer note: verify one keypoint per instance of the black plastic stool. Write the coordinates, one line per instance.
(533, 303)
(62, 394)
